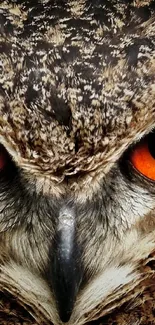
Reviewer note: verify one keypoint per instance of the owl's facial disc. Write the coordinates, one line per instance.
(65, 271)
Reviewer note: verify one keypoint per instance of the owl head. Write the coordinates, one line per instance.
(77, 154)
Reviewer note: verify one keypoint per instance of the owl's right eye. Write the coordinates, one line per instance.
(4, 158)
(142, 156)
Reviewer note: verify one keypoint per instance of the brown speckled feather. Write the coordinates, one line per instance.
(77, 87)
(70, 71)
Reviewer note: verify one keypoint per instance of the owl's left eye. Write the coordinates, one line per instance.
(142, 156)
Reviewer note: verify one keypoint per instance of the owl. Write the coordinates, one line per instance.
(77, 161)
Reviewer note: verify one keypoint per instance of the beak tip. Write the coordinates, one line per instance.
(65, 296)
(65, 316)
(66, 282)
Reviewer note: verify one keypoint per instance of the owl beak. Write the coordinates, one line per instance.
(66, 268)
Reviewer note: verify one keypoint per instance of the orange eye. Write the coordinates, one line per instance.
(3, 157)
(143, 156)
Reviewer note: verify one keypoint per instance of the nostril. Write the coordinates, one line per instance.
(65, 264)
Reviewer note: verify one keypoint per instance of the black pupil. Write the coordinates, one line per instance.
(151, 144)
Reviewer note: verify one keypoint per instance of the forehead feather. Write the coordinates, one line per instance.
(77, 80)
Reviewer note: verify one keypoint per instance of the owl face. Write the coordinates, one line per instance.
(77, 156)
(83, 248)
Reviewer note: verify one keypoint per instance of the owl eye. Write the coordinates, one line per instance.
(4, 157)
(142, 156)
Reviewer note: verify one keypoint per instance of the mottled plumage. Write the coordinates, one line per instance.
(67, 67)
(77, 88)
